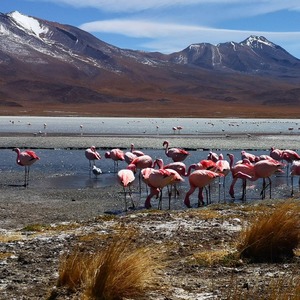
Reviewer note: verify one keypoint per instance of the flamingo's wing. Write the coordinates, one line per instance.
(32, 154)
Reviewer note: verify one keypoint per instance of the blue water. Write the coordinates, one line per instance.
(193, 126)
(69, 169)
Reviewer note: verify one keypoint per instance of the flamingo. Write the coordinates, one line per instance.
(252, 158)
(295, 171)
(265, 157)
(26, 158)
(177, 154)
(140, 162)
(136, 152)
(126, 179)
(276, 154)
(91, 154)
(241, 170)
(265, 169)
(290, 155)
(129, 157)
(132, 154)
(261, 169)
(199, 179)
(223, 167)
(213, 156)
(116, 155)
(179, 167)
(157, 180)
(206, 164)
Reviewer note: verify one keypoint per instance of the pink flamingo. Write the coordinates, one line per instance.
(26, 158)
(179, 167)
(213, 156)
(241, 170)
(276, 154)
(126, 179)
(157, 180)
(129, 157)
(265, 157)
(116, 155)
(140, 162)
(265, 169)
(252, 158)
(136, 152)
(223, 167)
(176, 154)
(91, 154)
(295, 171)
(290, 155)
(206, 164)
(199, 179)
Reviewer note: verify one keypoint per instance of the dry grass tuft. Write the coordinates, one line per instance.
(216, 257)
(120, 271)
(72, 270)
(272, 238)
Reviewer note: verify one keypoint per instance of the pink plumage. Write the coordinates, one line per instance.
(176, 154)
(26, 158)
(199, 179)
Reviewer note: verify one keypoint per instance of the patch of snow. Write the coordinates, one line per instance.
(195, 47)
(3, 30)
(29, 24)
(233, 46)
(259, 40)
(216, 56)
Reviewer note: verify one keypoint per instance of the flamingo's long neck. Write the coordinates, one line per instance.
(158, 162)
(191, 167)
(18, 156)
(167, 147)
(231, 161)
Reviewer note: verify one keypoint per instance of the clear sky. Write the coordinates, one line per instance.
(171, 25)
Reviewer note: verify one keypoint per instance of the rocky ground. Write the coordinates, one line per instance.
(195, 243)
(38, 226)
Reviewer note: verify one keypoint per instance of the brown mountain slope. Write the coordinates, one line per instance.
(66, 71)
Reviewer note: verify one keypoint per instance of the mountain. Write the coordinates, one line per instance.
(47, 68)
(254, 55)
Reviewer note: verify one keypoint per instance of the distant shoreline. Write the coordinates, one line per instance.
(193, 142)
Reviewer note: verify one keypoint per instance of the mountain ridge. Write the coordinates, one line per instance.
(48, 67)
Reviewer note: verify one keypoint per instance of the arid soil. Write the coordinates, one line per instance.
(196, 246)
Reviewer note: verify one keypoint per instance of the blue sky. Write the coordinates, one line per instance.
(171, 25)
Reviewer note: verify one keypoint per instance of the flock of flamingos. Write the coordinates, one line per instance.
(157, 176)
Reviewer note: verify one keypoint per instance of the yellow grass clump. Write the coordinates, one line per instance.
(216, 257)
(274, 237)
(119, 271)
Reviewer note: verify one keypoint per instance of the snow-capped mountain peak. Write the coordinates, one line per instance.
(28, 24)
(257, 42)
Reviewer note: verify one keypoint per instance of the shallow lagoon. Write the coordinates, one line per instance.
(124, 126)
(69, 169)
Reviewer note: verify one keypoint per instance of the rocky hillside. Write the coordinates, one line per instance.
(49, 68)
